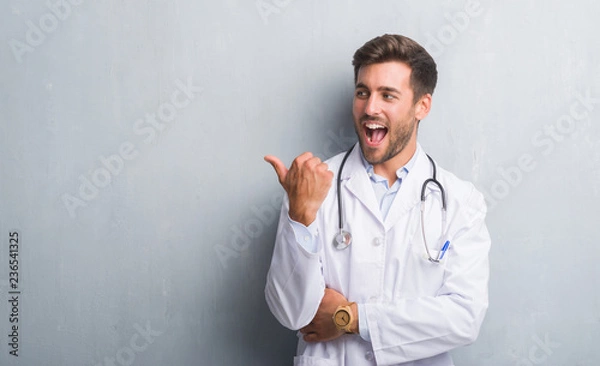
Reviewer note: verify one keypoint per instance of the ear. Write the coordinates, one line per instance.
(423, 106)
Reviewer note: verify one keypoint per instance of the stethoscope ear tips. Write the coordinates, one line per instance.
(342, 240)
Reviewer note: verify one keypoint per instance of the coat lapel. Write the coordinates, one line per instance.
(357, 183)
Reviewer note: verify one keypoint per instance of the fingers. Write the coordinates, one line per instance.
(308, 329)
(309, 161)
(310, 333)
(308, 165)
(279, 167)
(304, 157)
(311, 337)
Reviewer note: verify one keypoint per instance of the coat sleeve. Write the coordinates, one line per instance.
(421, 327)
(295, 284)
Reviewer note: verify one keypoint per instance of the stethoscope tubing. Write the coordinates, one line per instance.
(343, 239)
(339, 189)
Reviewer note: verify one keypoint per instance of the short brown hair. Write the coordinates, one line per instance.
(393, 47)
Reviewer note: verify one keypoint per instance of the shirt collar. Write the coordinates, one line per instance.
(400, 173)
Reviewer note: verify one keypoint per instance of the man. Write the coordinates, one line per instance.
(411, 285)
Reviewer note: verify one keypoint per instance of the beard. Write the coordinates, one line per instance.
(399, 137)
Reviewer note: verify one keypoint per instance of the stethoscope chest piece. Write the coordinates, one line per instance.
(342, 240)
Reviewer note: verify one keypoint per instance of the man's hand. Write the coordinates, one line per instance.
(322, 328)
(306, 183)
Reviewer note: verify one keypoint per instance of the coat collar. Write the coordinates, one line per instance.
(359, 185)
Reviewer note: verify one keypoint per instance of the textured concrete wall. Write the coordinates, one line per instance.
(135, 200)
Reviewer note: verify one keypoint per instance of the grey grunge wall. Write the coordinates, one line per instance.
(137, 216)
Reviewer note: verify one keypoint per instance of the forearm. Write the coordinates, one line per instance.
(412, 329)
(295, 283)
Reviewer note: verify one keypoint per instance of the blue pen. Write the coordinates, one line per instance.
(444, 249)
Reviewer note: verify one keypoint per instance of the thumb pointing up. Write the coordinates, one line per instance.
(279, 167)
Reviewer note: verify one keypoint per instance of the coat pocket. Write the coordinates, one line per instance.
(421, 276)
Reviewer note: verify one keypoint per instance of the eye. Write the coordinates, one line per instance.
(388, 96)
(360, 94)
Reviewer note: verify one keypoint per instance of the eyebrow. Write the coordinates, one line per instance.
(381, 88)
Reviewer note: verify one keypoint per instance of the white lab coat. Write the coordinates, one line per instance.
(416, 310)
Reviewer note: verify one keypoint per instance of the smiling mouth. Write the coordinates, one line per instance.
(374, 133)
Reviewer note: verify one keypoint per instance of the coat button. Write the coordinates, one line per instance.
(369, 356)
(377, 242)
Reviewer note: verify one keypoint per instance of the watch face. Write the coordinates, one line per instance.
(342, 318)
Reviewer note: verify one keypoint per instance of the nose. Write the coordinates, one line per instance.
(372, 106)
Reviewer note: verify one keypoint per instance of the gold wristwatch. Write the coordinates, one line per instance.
(342, 317)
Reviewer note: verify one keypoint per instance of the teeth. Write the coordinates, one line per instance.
(374, 126)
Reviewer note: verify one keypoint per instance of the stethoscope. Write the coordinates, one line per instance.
(343, 238)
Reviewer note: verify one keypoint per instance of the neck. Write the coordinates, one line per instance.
(388, 168)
